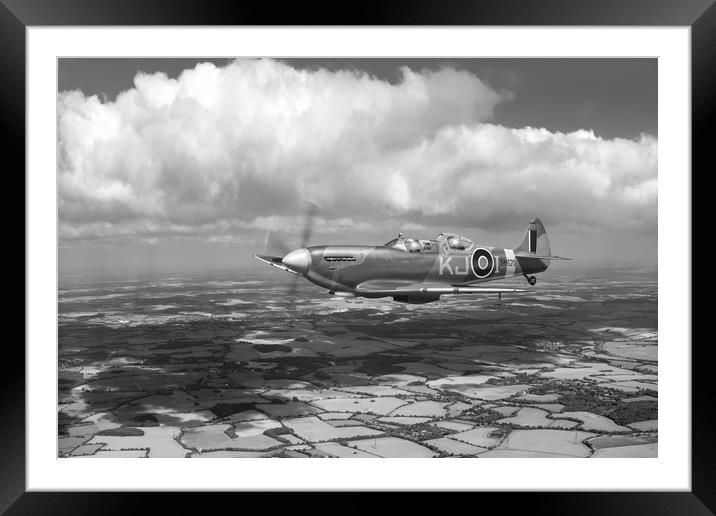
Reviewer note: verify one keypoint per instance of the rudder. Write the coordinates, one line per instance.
(535, 240)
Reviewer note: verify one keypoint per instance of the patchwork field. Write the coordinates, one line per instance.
(232, 366)
(393, 447)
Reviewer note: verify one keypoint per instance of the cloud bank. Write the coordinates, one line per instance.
(226, 150)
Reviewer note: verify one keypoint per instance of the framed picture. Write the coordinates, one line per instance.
(206, 272)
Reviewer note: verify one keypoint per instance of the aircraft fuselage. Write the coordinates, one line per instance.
(419, 271)
(341, 268)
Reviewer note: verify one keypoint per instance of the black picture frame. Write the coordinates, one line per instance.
(17, 15)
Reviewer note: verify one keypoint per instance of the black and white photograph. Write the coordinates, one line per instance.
(357, 257)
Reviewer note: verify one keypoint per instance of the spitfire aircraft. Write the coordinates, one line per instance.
(418, 271)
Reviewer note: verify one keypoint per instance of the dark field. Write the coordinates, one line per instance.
(230, 365)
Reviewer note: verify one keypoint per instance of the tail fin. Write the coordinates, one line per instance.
(535, 240)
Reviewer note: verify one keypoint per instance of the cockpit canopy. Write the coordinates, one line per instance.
(412, 245)
(455, 241)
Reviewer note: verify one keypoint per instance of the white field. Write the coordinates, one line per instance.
(633, 350)
(646, 426)
(86, 449)
(65, 444)
(626, 377)
(528, 416)
(506, 410)
(393, 447)
(595, 422)
(255, 442)
(208, 437)
(226, 454)
(643, 333)
(463, 384)
(118, 453)
(631, 386)
(421, 389)
(563, 423)
(478, 437)
(381, 406)
(457, 408)
(454, 447)
(247, 428)
(291, 439)
(313, 429)
(575, 373)
(458, 426)
(525, 370)
(403, 420)
(159, 439)
(77, 409)
(399, 380)
(474, 386)
(103, 420)
(252, 338)
(497, 392)
(542, 443)
(338, 450)
(327, 416)
(421, 408)
(81, 430)
(639, 450)
(156, 404)
(364, 417)
(184, 419)
(299, 447)
(214, 437)
(376, 390)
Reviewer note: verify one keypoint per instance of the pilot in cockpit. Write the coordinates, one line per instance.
(406, 244)
(412, 245)
(456, 242)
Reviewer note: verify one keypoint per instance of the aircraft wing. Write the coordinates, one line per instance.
(532, 255)
(389, 288)
(274, 261)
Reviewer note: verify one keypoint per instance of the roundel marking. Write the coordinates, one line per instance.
(482, 262)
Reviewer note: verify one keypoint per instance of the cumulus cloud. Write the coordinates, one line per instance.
(224, 150)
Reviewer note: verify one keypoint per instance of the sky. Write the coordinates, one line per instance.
(171, 165)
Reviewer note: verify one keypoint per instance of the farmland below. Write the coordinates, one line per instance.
(229, 365)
